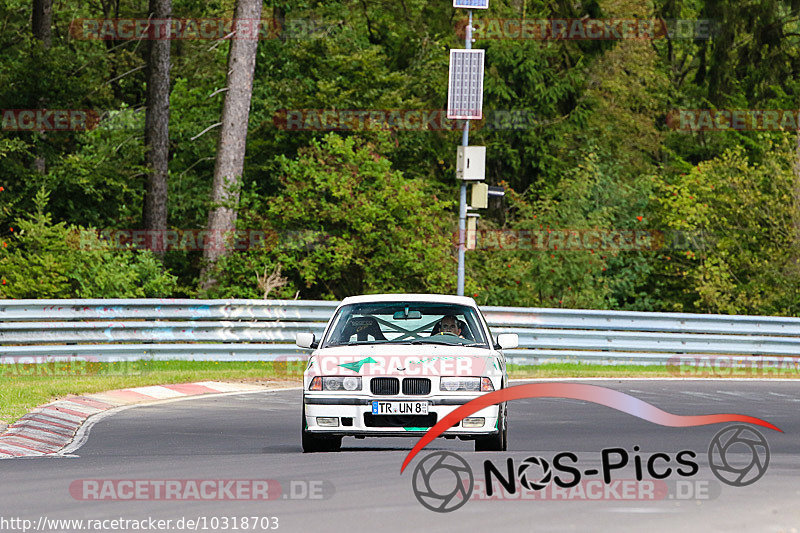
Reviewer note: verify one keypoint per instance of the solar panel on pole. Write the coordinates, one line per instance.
(465, 87)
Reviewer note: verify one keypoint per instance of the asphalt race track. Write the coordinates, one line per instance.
(257, 436)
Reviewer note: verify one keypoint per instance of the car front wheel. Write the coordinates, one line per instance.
(499, 441)
(313, 443)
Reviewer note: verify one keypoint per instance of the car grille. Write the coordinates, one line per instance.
(416, 386)
(385, 386)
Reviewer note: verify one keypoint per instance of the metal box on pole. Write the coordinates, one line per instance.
(471, 240)
(480, 196)
(471, 163)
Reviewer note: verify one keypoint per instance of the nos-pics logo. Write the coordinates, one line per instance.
(443, 481)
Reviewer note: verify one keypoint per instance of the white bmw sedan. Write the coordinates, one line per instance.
(393, 365)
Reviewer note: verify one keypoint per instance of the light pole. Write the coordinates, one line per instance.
(462, 204)
(465, 102)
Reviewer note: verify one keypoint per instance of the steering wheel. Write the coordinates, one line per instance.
(448, 333)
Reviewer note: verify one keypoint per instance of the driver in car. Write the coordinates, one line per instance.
(449, 324)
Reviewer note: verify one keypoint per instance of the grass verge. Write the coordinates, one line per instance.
(578, 370)
(24, 386)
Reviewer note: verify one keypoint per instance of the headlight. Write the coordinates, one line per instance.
(453, 384)
(337, 383)
(351, 383)
(461, 384)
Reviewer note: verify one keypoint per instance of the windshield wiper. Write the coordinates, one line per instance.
(444, 343)
(419, 341)
(356, 343)
(425, 341)
(414, 342)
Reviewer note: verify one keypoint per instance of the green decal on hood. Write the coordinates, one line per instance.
(356, 366)
(416, 429)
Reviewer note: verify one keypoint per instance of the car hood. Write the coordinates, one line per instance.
(404, 360)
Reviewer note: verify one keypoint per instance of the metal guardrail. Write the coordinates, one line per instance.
(245, 330)
(154, 309)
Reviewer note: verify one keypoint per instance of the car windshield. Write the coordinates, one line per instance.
(406, 323)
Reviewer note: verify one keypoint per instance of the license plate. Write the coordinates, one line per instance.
(399, 408)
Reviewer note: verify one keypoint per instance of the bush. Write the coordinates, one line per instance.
(52, 260)
(344, 223)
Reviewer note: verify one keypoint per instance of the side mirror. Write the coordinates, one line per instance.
(305, 340)
(507, 341)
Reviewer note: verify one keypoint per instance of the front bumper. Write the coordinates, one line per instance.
(351, 410)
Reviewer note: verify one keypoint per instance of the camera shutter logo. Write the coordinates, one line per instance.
(738, 455)
(442, 482)
(528, 481)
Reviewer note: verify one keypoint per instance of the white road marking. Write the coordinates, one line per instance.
(703, 395)
(641, 510)
(744, 395)
(229, 387)
(781, 395)
(157, 391)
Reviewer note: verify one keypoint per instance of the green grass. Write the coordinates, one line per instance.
(24, 386)
(578, 370)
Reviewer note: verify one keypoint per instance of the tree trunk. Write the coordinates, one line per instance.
(232, 137)
(42, 21)
(41, 24)
(796, 210)
(157, 130)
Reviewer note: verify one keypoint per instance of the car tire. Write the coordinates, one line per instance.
(313, 443)
(499, 441)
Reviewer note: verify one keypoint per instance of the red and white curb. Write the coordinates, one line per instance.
(48, 429)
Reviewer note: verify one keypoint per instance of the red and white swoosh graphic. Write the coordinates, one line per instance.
(589, 393)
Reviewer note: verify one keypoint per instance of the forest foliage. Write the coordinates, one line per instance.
(589, 149)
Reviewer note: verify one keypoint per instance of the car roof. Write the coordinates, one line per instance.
(434, 298)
